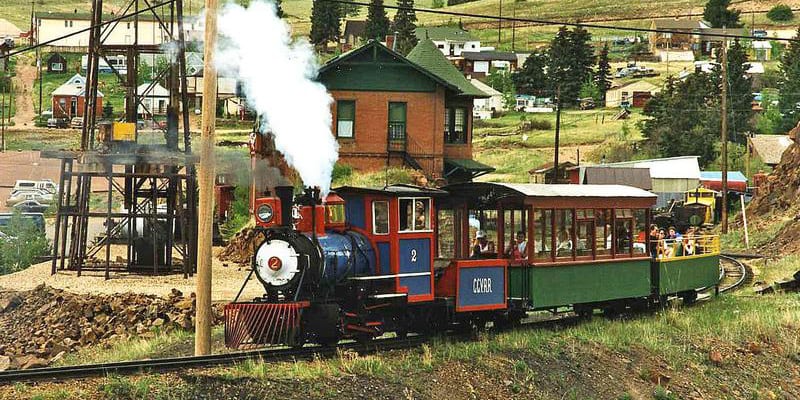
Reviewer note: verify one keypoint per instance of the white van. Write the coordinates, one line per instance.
(45, 185)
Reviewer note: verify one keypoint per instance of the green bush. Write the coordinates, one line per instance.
(341, 172)
(780, 13)
(22, 244)
(239, 214)
(437, 4)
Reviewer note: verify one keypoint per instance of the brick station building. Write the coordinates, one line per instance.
(414, 111)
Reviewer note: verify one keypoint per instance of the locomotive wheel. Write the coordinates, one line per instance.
(689, 297)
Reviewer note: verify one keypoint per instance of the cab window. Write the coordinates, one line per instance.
(380, 217)
(334, 213)
(415, 214)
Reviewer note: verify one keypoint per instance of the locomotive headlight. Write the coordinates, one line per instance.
(264, 212)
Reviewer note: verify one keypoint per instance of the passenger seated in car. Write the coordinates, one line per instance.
(481, 246)
(518, 249)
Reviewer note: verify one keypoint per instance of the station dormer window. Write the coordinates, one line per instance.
(415, 214)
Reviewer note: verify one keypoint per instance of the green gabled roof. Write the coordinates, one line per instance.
(428, 56)
(443, 33)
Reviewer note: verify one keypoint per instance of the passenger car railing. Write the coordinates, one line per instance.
(686, 246)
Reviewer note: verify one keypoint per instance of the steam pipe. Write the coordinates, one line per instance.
(284, 194)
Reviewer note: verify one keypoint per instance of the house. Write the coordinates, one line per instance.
(737, 182)
(484, 108)
(769, 148)
(68, 100)
(450, 40)
(479, 64)
(670, 177)
(761, 50)
(533, 104)
(226, 88)
(353, 33)
(544, 173)
(154, 99)
(635, 94)
(413, 111)
(108, 64)
(69, 26)
(685, 35)
(194, 63)
(56, 64)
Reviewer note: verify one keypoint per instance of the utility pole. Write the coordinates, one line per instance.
(558, 130)
(39, 58)
(2, 116)
(202, 338)
(724, 136)
(513, 25)
(499, 23)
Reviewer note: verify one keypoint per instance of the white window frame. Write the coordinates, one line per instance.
(388, 216)
(428, 222)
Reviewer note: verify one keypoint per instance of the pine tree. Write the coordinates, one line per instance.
(718, 15)
(571, 59)
(790, 84)
(740, 89)
(405, 23)
(279, 9)
(531, 79)
(377, 26)
(325, 22)
(602, 78)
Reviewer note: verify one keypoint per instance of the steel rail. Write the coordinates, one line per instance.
(162, 364)
(741, 267)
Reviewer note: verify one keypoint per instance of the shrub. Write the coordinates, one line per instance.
(341, 172)
(780, 13)
(437, 4)
(22, 245)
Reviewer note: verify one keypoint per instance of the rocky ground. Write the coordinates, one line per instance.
(38, 327)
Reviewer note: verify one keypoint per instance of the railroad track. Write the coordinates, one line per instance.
(733, 273)
(173, 363)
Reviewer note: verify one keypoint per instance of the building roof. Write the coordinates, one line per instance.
(642, 84)
(393, 190)
(156, 91)
(770, 147)
(683, 24)
(548, 167)
(733, 176)
(762, 44)
(685, 167)
(489, 56)
(599, 175)
(354, 27)
(75, 86)
(450, 33)
(9, 29)
(428, 56)
(755, 68)
(490, 91)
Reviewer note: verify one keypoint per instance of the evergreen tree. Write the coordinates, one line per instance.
(684, 118)
(279, 8)
(325, 22)
(740, 93)
(377, 25)
(570, 62)
(602, 78)
(405, 23)
(718, 15)
(531, 79)
(349, 9)
(790, 84)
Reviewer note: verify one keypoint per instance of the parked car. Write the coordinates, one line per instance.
(76, 123)
(20, 197)
(36, 218)
(587, 103)
(44, 185)
(58, 123)
(31, 206)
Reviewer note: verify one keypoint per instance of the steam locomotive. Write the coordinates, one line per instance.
(363, 262)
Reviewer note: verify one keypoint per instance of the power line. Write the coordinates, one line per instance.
(553, 22)
(90, 27)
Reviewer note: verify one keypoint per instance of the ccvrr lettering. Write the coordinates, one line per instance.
(482, 285)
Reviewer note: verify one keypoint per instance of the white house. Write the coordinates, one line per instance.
(52, 25)
(483, 108)
(633, 94)
(449, 39)
(154, 101)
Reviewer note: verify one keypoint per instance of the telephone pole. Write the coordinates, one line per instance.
(558, 130)
(202, 341)
(724, 136)
(499, 24)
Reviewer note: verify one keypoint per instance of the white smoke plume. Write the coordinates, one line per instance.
(278, 75)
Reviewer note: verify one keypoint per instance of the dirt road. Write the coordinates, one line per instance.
(23, 91)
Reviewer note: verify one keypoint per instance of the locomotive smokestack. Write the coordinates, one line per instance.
(285, 194)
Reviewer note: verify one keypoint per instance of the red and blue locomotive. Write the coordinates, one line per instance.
(367, 261)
